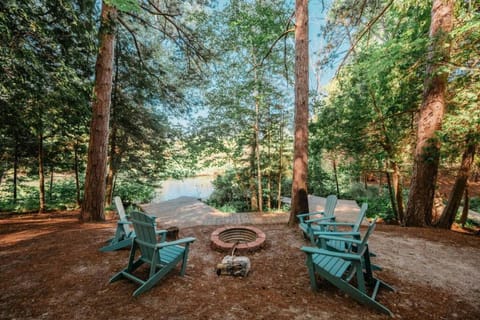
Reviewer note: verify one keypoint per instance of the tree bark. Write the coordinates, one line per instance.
(114, 158)
(427, 151)
(391, 193)
(41, 175)
(335, 174)
(466, 207)
(300, 152)
(252, 184)
(93, 206)
(280, 165)
(112, 171)
(257, 155)
(15, 172)
(450, 211)
(77, 178)
(50, 186)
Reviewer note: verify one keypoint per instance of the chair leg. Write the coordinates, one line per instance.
(184, 261)
(117, 245)
(355, 293)
(153, 280)
(311, 273)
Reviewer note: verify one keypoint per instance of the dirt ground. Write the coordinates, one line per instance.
(51, 269)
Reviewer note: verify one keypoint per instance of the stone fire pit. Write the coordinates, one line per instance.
(244, 238)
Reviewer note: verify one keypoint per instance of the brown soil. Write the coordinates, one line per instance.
(51, 269)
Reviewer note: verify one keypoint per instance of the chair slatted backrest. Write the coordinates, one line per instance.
(361, 216)
(362, 246)
(330, 205)
(122, 215)
(146, 237)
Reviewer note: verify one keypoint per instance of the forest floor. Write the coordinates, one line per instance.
(51, 269)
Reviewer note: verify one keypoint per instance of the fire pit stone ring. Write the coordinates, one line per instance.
(243, 238)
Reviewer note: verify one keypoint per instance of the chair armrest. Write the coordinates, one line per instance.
(351, 240)
(176, 242)
(346, 256)
(336, 234)
(122, 222)
(162, 234)
(320, 219)
(334, 223)
(302, 215)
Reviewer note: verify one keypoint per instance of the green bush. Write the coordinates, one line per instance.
(475, 204)
(379, 204)
(227, 194)
(134, 192)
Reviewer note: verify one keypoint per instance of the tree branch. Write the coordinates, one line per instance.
(132, 33)
(367, 28)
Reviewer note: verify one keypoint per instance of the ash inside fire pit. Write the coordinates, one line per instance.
(243, 238)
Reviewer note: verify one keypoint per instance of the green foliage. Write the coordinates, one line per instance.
(62, 196)
(124, 5)
(379, 204)
(27, 199)
(134, 192)
(229, 193)
(475, 204)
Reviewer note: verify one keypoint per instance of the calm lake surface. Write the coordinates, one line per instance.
(198, 187)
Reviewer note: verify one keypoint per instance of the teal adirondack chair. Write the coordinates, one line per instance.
(124, 233)
(313, 223)
(339, 244)
(349, 230)
(341, 268)
(161, 256)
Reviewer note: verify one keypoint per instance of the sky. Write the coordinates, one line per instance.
(317, 16)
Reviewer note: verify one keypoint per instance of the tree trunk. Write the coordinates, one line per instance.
(50, 186)
(450, 211)
(335, 174)
(269, 170)
(15, 172)
(77, 178)
(427, 151)
(466, 207)
(93, 206)
(113, 159)
(300, 152)
(41, 175)
(252, 185)
(257, 155)
(391, 193)
(280, 165)
(112, 171)
(397, 190)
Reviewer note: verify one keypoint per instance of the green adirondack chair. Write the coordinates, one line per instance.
(124, 233)
(341, 268)
(161, 256)
(349, 230)
(339, 244)
(313, 223)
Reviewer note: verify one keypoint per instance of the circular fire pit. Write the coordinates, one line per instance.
(245, 239)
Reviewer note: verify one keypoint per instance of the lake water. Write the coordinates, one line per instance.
(198, 187)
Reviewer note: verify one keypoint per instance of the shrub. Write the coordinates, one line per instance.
(134, 192)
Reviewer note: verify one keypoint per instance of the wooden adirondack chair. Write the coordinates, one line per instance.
(161, 256)
(124, 233)
(341, 268)
(312, 224)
